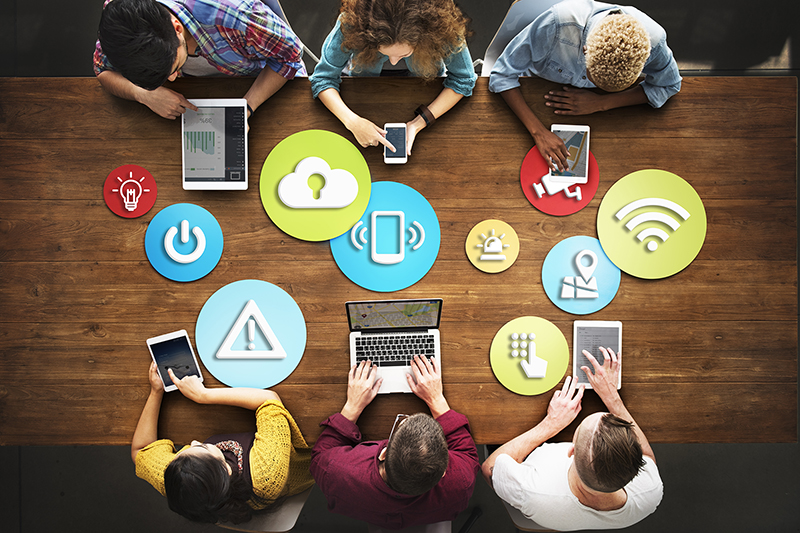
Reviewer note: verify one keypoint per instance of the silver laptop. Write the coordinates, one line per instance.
(390, 333)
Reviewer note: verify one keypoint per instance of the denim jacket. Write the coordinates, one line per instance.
(458, 69)
(551, 47)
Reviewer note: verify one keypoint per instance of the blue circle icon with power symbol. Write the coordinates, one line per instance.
(183, 242)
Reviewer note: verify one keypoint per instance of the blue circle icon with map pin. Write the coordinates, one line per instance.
(578, 277)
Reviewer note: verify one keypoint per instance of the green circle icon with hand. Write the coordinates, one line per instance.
(651, 224)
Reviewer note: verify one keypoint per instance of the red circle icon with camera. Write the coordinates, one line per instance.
(130, 191)
(559, 196)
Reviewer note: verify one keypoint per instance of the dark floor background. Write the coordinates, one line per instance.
(708, 487)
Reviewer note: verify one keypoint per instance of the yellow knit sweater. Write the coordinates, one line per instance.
(279, 458)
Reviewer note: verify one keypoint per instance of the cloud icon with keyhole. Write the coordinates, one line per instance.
(339, 190)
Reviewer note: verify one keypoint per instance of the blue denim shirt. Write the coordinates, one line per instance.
(551, 47)
(458, 69)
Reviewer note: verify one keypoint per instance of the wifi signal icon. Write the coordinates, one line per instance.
(652, 216)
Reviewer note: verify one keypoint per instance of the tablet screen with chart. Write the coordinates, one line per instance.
(215, 145)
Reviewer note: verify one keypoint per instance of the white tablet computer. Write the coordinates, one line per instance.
(576, 139)
(589, 335)
(214, 142)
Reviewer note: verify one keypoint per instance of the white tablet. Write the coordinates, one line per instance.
(576, 139)
(589, 335)
(214, 142)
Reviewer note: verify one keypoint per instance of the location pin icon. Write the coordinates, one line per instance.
(586, 271)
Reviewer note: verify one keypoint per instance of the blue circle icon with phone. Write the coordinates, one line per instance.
(578, 277)
(183, 242)
(393, 244)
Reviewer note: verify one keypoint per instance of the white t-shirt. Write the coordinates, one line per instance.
(540, 489)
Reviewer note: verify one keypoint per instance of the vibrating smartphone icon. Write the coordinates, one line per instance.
(385, 218)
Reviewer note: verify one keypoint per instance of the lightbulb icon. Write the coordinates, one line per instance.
(130, 190)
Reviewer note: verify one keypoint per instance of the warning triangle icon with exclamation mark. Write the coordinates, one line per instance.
(251, 310)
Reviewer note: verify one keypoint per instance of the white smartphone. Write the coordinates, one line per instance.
(589, 335)
(173, 350)
(396, 134)
(387, 237)
(576, 139)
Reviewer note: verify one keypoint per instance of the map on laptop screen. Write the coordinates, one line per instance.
(394, 314)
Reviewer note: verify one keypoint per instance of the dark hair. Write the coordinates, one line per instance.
(435, 28)
(610, 457)
(139, 40)
(199, 488)
(416, 456)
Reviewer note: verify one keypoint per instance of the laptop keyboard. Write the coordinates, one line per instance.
(393, 349)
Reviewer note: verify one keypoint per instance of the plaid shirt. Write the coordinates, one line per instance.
(237, 37)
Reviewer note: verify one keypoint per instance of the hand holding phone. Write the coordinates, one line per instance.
(576, 140)
(396, 134)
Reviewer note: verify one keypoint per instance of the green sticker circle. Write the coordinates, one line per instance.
(512, 371)
(332, 200)
(651, 224)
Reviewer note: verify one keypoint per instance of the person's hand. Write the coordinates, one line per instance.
(362, 387)
(156, 385)
(412, 128)
(368, 134)
(426, 383)
(553, 150)
(605, 377)
(565, 404)
(166, 102)
(190, 386)
(572, 101)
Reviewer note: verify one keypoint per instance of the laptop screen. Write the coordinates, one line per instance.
(389, 315)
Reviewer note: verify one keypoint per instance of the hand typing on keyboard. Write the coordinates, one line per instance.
(362, 387)
(426, 383)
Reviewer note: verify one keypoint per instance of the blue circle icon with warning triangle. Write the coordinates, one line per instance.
(250, 333)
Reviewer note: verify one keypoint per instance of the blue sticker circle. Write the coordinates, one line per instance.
(578, 277)
(183, 242)
(393, 244)
(250, 333)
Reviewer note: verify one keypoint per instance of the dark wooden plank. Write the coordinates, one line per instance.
(761, 229)
(707, 290)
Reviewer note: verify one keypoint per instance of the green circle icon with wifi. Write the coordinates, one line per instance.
(651, 224)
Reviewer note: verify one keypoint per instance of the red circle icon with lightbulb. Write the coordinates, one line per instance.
(130, 191)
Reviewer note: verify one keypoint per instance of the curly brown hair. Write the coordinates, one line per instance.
(435, 28)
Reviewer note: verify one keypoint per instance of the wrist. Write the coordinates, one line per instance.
(351, 412)
(438, 406)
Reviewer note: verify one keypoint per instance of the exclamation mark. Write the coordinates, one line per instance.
(251, 333)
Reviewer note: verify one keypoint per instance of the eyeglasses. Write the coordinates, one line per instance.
(399, 419)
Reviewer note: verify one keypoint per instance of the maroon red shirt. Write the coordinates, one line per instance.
(346, 470)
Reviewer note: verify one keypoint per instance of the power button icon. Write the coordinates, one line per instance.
(175, 255)
(184, 242)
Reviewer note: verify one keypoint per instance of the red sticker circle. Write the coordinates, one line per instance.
(130, 191)
(555, 198)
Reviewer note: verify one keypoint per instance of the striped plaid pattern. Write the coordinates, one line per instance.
(238, 37)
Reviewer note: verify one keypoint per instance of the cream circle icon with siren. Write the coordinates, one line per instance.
(492, 246)
(651, 224)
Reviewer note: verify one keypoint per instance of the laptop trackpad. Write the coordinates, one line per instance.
(394, 380)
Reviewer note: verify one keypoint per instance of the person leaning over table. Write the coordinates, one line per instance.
(142, 44)
(423, 474)
(606, 478)
(428, 35)
(586, 44)
(226, 478)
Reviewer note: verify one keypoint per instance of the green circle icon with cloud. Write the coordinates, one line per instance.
(315, 185)
(651, 224)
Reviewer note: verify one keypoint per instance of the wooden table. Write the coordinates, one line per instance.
(711, 353)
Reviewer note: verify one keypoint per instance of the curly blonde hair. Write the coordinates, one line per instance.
(616, 51)
(434, 28)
